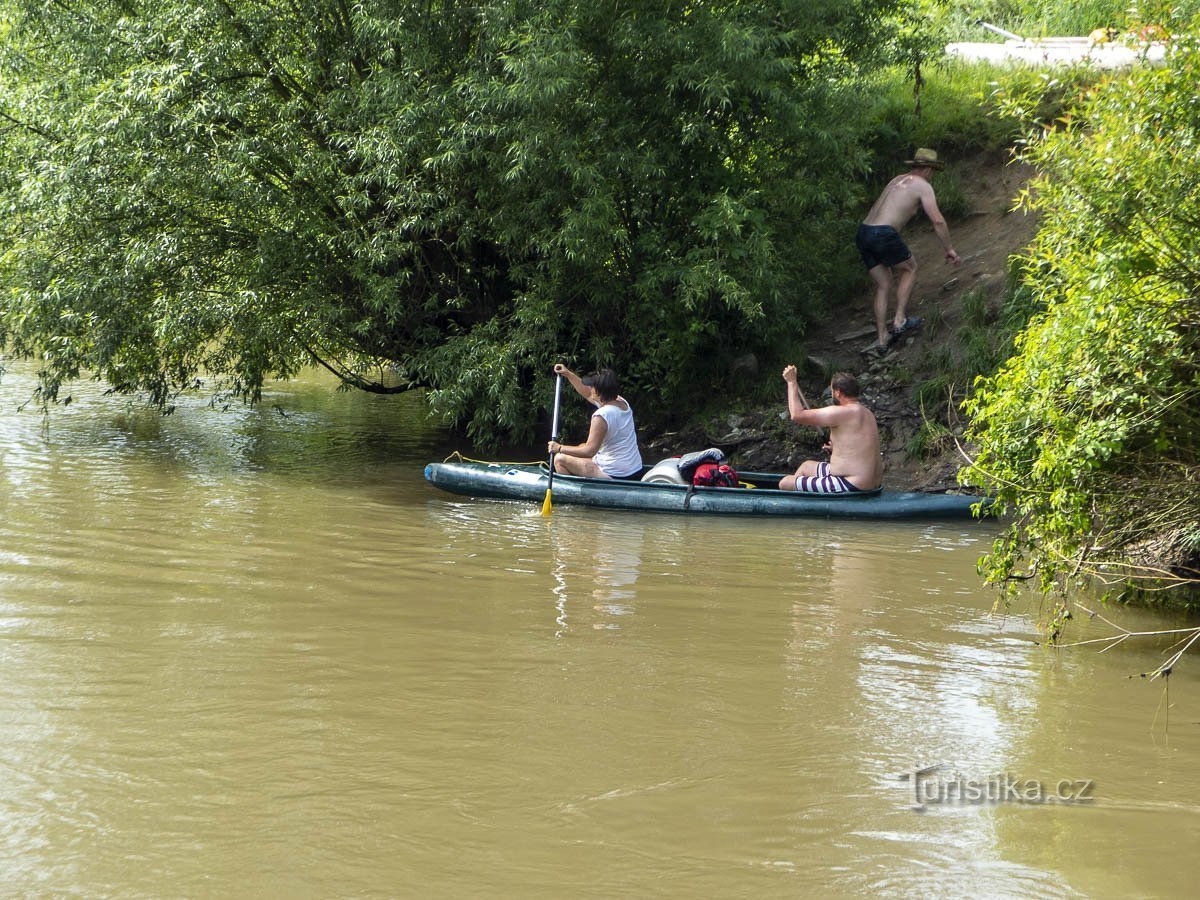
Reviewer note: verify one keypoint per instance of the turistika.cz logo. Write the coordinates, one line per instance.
(931, 789)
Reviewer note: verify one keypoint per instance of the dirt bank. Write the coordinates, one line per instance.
(985, 237)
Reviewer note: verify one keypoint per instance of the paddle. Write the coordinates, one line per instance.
(554, 437)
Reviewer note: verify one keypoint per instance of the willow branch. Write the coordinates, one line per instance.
(1190, 637)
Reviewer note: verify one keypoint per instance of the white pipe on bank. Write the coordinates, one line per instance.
(999, 31)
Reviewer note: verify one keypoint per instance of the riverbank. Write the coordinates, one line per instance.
(917, 432)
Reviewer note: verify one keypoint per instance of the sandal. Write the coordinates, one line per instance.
(912, 323)
(875, 351)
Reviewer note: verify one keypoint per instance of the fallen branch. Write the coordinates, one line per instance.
(1190, 636)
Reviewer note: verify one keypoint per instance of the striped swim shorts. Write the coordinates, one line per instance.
(824, 483)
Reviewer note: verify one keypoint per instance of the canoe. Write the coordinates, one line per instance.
(527, 481)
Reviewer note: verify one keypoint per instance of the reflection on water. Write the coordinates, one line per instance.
(596, 572)
(250, 652)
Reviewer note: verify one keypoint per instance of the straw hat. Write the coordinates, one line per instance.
(925, 157)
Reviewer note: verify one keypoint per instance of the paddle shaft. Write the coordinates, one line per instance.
(557, 404)
(554, 428)
(803, 402)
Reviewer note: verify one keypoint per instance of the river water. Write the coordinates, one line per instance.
(250, 652)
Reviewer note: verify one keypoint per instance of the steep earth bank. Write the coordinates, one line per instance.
(990, 233)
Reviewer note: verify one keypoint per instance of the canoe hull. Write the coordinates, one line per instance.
(529, 482)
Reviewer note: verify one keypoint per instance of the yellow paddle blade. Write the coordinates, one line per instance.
(546, 503)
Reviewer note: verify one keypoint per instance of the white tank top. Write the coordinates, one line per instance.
(618, 456)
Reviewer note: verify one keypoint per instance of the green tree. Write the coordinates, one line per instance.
(434, 194)
(1090, 434)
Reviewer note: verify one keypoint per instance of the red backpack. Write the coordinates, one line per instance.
(714, 475)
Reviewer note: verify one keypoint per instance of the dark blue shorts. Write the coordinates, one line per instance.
(881, 245)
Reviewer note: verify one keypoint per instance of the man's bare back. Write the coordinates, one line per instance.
(854, 445)
(899, 201)
(855, 463)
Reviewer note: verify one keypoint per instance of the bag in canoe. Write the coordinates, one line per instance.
(707, 468)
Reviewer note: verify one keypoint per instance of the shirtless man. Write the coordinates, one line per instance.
(854, 464)
(884, 253)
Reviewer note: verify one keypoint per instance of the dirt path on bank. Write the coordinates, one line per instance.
(986, 237)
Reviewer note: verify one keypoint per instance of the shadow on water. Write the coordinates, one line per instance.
(303, 429)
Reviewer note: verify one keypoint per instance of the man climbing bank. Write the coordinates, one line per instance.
(885, 254)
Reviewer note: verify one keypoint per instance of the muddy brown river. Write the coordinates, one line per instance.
(249, 652)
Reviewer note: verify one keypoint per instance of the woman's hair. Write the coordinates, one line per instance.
(846, 383)
(606, 384)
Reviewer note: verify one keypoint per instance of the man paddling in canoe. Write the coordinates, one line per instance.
(611, 449)
(885, 254)
(854, 463)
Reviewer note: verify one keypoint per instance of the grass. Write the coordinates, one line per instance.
(951, 197)
(974, 307)
(955, 117)
(932, 439)
(1052, 18)
(964, 111)
(933, 392)
(939, 356)
(977, 346)
(935, 320)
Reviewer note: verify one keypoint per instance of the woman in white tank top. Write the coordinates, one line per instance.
(611, 449)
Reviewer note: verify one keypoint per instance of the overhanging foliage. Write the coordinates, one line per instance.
(1090, 434)
(440, 194)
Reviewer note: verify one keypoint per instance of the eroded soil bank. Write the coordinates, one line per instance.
(986, 237)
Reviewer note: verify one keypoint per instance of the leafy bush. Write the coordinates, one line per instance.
(1090, 434)
(451, 197)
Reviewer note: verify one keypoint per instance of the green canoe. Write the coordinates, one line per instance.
(528, 482)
